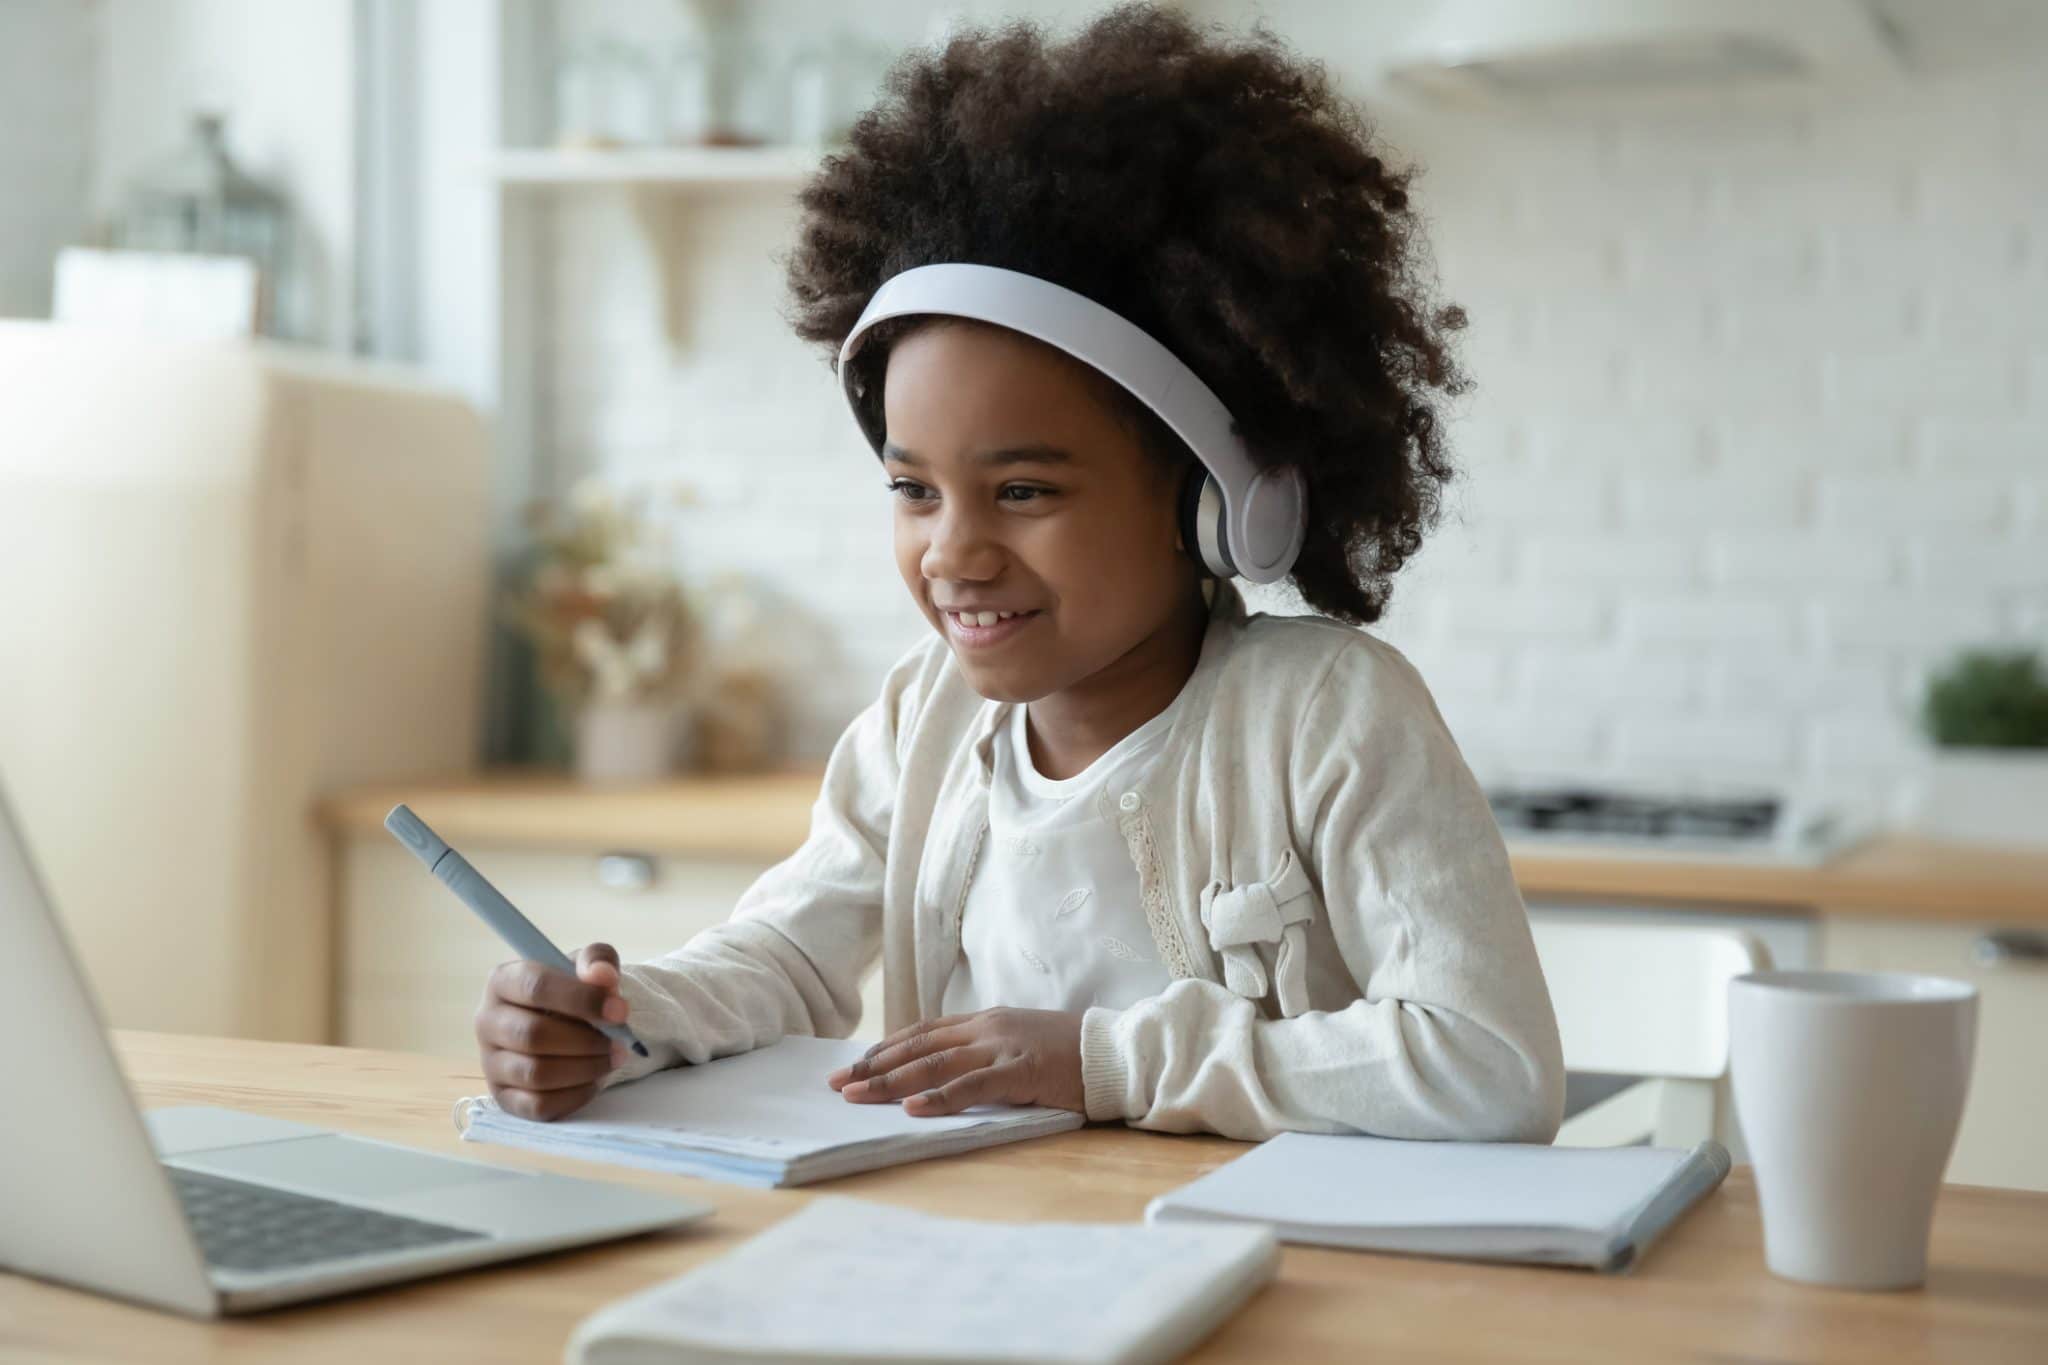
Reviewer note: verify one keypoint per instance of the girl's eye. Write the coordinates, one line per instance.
(913, 492)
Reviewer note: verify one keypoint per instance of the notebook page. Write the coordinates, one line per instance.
(1314, 1180)
(771, 1102)
(845, 1279)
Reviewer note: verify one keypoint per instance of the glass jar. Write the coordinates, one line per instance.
(688, 115)
(580, 113)
(633, 112)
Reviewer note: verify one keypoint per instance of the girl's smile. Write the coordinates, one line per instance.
(976, 630)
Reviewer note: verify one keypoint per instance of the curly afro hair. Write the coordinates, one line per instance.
(1213, 189)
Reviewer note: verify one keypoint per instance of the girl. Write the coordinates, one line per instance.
(1121, 315)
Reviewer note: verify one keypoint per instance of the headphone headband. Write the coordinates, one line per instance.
(1262, 511)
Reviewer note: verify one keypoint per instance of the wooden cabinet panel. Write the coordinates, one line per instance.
(2004, 1137)
(413, 959)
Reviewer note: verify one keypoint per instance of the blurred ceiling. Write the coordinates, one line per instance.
(1945, 33)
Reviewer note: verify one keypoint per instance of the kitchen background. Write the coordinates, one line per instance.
(1758, 445)
(1760, 432)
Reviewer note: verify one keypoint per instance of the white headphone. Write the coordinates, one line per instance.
(1237, 519)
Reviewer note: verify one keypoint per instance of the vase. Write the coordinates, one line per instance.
(633, 741)
(1983, 796)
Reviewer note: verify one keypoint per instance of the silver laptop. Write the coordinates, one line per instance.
(209, 1211)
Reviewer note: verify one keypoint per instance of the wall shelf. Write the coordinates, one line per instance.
(548, 167)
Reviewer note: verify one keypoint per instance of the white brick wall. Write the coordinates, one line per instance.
(46, 112)
(1761, 429)
(1829, 324)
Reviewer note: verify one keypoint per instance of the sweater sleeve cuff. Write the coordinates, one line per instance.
(1105, 1078)
(643, 1013)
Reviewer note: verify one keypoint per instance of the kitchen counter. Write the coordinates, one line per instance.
(756, 815)
(766, 816)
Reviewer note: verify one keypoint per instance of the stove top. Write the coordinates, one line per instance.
(1759, 827)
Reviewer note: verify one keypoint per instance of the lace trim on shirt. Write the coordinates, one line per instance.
(973, 858)
(1158, 918)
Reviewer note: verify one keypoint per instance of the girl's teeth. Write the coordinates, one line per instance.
(986, 618)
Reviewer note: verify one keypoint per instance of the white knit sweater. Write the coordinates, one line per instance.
(1319, 870)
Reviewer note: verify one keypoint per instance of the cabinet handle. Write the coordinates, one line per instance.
(2010, 948)
(626, 872)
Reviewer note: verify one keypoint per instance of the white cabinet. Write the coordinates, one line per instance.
(413, 959)
(2004, 1137)
(231, 577)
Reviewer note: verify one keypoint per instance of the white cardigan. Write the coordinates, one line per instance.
(1320, 872)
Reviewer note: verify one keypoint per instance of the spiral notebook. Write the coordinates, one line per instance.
(763, 1118)
(1495, 1201)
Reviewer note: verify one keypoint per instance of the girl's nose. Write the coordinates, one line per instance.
(960, 550)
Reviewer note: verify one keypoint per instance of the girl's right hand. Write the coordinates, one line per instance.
(542, 1057)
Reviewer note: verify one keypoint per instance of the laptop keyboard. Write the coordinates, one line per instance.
(241, 1226)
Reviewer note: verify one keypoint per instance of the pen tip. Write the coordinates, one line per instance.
(640, 1048)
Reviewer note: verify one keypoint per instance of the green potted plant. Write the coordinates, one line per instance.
(1987, 780)
(613, 633)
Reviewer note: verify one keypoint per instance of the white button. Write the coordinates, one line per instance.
(1129, 801)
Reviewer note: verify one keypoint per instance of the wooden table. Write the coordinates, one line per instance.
(1702, 1294)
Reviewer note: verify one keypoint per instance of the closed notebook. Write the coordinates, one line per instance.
(844, 1279)
(764, 1117)
(1583, 1206)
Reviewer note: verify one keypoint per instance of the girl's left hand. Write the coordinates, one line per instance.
(998, 1056)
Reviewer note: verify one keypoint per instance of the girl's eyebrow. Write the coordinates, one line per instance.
(1008, 455)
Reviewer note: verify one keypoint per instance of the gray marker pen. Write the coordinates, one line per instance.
(455, 873)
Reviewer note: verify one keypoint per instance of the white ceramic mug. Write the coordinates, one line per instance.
(1849, 1087)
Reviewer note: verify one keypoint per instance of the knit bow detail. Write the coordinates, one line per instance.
(1274, 911)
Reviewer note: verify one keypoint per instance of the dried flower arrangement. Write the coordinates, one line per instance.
(608, 620)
